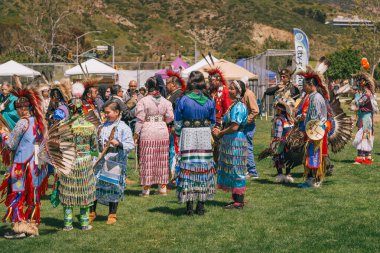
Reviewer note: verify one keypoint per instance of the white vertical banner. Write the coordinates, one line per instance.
(301, 45)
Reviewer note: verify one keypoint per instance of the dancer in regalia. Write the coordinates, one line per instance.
(7, 107)
(282, 124)
(194, 118)
(366, 106)
(26, 179)
(153, 113)
(60, 94)
(232, 161)
(115, 141)
(220, 94)
(77, 188)
(175, 86)
(315, 121)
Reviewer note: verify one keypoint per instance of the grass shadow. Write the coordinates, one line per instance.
(168, 210)
(343, 161)
(294, 185)
(131, 192)
(4, 229)
(217, 203)
(49, 231)
(52, 222)
(264, 181)
(297, 175)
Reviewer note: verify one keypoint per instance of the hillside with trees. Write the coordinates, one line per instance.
(46, 30)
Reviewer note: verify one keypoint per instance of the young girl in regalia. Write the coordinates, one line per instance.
(115, 141)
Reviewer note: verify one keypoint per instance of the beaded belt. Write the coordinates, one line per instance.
(197, 123)
(155, 118)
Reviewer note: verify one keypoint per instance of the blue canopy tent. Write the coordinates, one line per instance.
(257, 70)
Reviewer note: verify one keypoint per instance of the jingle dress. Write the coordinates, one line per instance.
(77, 189)
(194, 118)
(233, 152)
(153, 113)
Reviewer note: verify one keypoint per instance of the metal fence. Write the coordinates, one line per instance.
(266, 65)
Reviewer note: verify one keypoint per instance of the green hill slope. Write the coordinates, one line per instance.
(146, 29)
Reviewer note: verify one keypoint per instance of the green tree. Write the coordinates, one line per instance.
(367, 37)
(344, 63)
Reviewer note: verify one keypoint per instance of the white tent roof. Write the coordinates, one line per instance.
(11, 68)
(202, 63)
(91, 66)
(231, 71)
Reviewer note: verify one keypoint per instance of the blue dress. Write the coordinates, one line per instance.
(196, 180)
(115, 159)
(233, 152)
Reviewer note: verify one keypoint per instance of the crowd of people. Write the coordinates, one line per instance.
(195, 134)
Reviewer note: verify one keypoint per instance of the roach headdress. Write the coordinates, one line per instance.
(317, 75)
(213, 71)
(63, 87)
(365, 79)
(29, 96)
(171, 73)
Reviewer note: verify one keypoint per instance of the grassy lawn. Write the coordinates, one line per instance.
(342, 216)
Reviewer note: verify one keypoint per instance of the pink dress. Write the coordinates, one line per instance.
(152, 116)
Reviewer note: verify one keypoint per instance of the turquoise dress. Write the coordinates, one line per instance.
(232, 161)
(9, 113)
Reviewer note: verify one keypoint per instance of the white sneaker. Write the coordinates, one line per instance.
(13, 235)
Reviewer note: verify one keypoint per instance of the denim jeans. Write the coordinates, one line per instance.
(249, 131)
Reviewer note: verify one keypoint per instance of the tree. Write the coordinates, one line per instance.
(367, 37)
(344, 63)
(51, 31)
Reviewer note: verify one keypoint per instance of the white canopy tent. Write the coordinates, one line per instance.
(91, 66)
(231, 71)
(11, 68)
(199, 65)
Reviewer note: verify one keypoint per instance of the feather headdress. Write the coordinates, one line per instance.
(287, 105)
(287, 70)
(64, 87)
(171, 73)
(317, 75)
(29, 96)
(368, 80)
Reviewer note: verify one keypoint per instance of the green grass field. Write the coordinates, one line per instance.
(342, 216)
